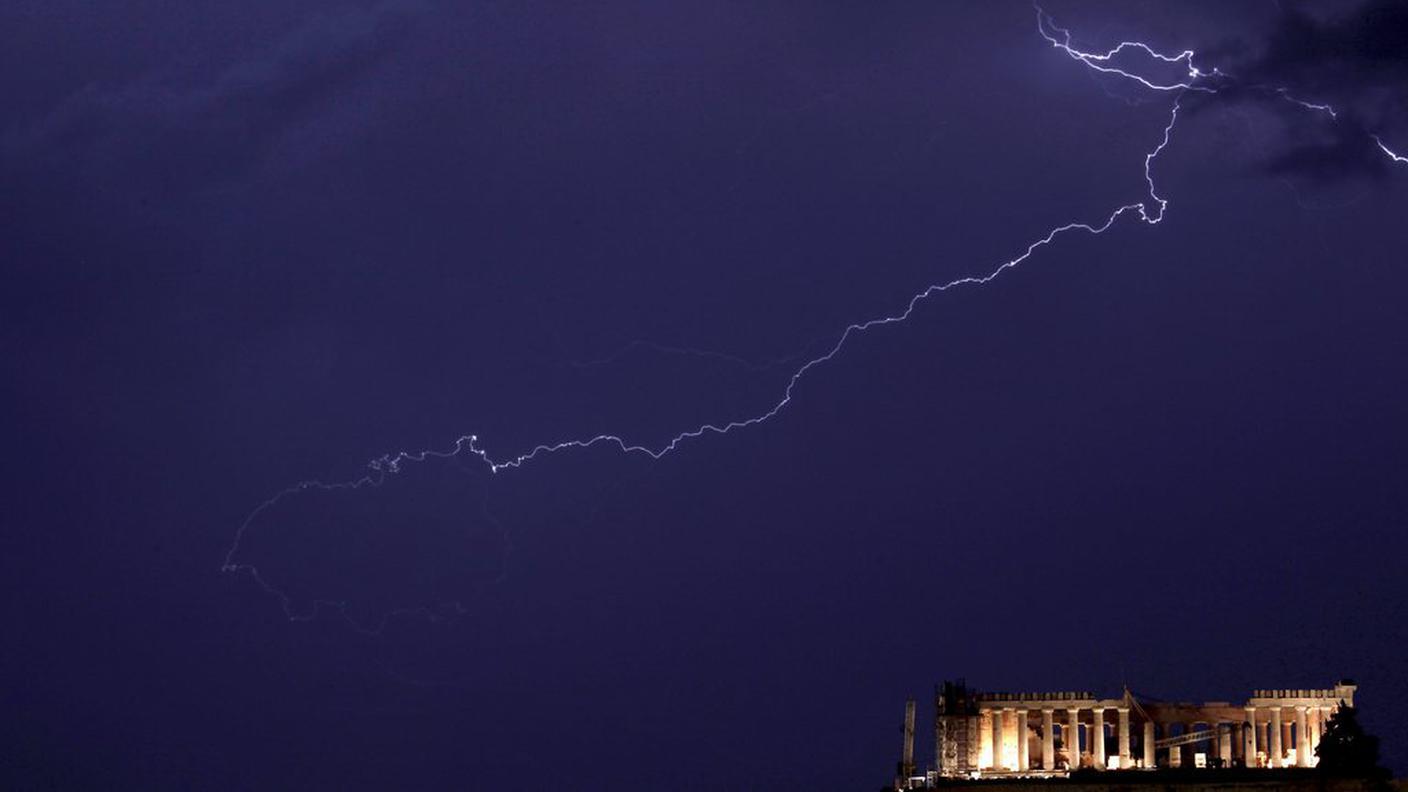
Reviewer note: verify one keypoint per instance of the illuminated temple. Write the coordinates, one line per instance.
(997, 735)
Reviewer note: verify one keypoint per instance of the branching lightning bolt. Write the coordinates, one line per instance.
(1149, 211)
(1102, 62)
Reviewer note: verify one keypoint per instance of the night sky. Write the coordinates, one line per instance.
(250, 245)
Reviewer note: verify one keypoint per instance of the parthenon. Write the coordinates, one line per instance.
(991, 734)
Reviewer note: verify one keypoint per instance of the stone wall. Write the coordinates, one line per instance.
(1261, 781)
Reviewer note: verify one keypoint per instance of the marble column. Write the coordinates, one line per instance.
(1124, 738)
(975, 741)
(1302, 739)
(1249, 739)
(1324, 720)
(1286, 736)
(987, 749)
(1023, 740)
(1193, 748)
(1048, 739)
(1317, 731)
(1275, 734)
(985, 739)
(1224, 743)
(997, 763)
(1071, 737)
(1097, 737)
(1148, 744)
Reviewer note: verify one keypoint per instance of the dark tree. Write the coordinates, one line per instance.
(1345, 749)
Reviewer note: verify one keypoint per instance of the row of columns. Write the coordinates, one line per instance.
(1096, 738)
(1309, 726)
(1070, 736)
(1275, 738)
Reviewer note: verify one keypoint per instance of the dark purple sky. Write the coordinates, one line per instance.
(246, 246)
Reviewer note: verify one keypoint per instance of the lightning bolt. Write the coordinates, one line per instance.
(1195, 79)
(1396, 157)
(1149, 211)
(1101, 62)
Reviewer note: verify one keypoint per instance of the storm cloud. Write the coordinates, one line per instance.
(1355, 62)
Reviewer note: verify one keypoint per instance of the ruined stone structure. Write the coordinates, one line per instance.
(985, 734)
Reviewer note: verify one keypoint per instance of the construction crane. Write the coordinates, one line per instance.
(1167, 742)
(906, 766)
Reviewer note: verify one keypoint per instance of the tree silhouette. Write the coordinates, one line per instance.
(1344, 749)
